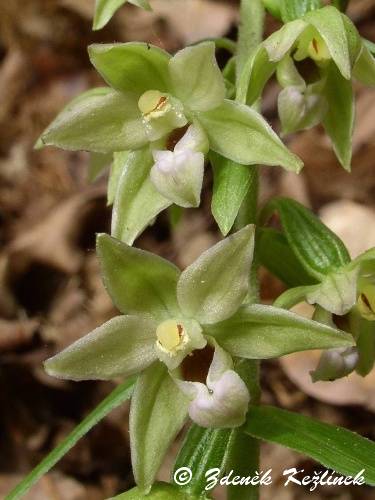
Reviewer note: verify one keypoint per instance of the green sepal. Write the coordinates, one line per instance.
(335, 31)
(158, 411)
(262, 332)
(102, 121)
(334, 447)
(276, 255)
(364, 68)
(317, 248)
(295, 9)
(203, 449)
(105, 9)
(339, 118)
(138, 282)
(137, 202)
(97, 164)
(132, 67)
(242, 135)
(364, 332)
(159, 491)
(122, 346)
(214, 286)
(196, 77)
(231, 183)
(118, 165)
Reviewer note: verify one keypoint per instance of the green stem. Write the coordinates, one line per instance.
(245, 451)
(114, 399)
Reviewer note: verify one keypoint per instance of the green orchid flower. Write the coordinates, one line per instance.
(167, 112)
(169, 315)
(320, 91)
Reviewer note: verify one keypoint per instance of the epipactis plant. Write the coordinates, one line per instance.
(158, 122)
(168, 316)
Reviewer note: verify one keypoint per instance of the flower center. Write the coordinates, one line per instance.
(318, 49)
(366, 302)
(171, 336)
(152, 101)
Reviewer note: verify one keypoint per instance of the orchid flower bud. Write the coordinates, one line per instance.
(224, 400)
(335, 363)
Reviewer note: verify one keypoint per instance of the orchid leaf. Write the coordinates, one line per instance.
(231, 183)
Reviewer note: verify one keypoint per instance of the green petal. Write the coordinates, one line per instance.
(263, 63)
(196, 77)
(157, 412)
(137, 202)
(134, 67)
(101, 123)
(121, 347)
(214, 286)
(364, 68)
(261, 332)
(105, 9)
(242, 135)
(138, 281)
(118, 165)
(339, 119)
(330, 24)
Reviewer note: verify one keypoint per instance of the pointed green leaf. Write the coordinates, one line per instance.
(262, 332)
(137, 201)
(339, 119)
(276, 255)
(105, 9)
(317, 248)
(336, 448)
(202, 450)
(214, 286)
(159, 491)
(138, 282)
(120, 394)
(157, 413)
(196, 77)
(101, 122)
(331, 27)
(131, 67)
(121, 347)
(364, 68)
(231, 183)
(242, 135)
(118, 165)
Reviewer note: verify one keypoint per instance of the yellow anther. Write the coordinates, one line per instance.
(150, 101)
(318, 49)
(366, 302)
(170, 335)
